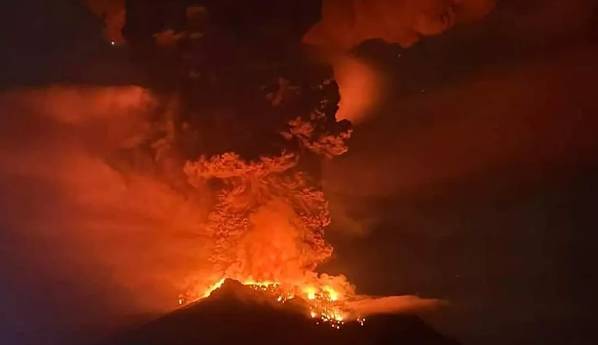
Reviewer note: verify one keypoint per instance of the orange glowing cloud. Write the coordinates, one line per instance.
(360, 87)
(78, 181)
(347, 23)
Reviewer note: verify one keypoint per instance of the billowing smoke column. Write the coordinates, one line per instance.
(245, 73)
(269, 219)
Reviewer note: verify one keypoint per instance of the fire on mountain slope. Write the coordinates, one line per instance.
(268, 226)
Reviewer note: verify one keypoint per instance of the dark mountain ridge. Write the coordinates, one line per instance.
(237, 314)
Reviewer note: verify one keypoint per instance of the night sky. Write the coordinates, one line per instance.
(474, 180)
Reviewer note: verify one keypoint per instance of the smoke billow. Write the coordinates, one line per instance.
(343, 26)
(346, 24)
(518, 112)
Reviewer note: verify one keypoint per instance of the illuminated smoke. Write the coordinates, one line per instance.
(360, 86)
(80, 179)
(269, 217)
(268, 221)
(347, 23)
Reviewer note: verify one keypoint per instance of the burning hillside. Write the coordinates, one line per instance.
(235, 313)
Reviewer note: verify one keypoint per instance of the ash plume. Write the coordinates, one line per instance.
(249, 195)
(168, 195)
(346, 24)
(343, 26)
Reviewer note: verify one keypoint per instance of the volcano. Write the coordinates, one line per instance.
(239, 314)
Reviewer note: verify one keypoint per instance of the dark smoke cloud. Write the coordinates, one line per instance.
(346, 24)
(534, 96)
(487, 128)
(526, 104)
(533, 116)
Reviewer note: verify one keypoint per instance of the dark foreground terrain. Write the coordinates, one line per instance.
(236, 314)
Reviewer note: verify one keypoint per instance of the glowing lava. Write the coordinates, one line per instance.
(324, 303)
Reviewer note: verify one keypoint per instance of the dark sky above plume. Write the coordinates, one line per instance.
(473, 180)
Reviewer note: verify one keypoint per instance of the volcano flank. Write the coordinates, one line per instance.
(236, 313)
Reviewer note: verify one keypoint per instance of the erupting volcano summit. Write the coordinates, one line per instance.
(236, 313)
(255, 115)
